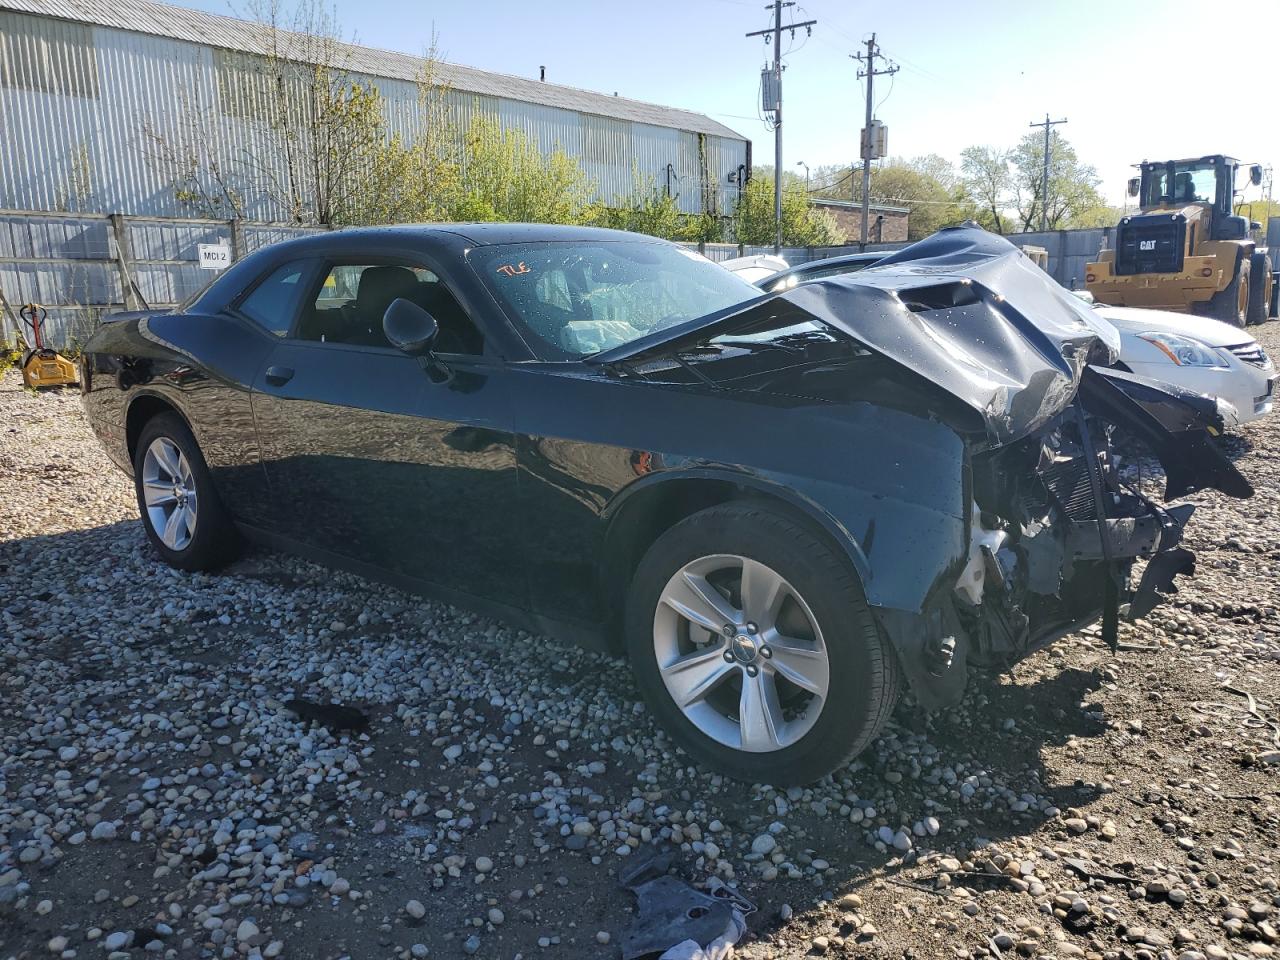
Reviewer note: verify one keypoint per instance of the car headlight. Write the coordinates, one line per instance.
(1184, 351)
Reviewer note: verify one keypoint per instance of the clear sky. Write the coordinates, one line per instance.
(1129, 76)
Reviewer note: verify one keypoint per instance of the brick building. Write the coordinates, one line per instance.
(885, 224)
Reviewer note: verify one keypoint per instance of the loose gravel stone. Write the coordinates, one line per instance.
(148, 756)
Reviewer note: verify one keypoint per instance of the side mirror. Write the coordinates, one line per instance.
(1134, 184)
(409, 328)
(1255, 174)
(1254, 225)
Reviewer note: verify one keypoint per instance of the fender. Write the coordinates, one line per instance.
(884, 510)
(740, 478)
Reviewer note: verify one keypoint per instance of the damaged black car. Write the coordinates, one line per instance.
(780, 507)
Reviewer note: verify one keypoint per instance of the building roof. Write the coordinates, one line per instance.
(833, 202)
(229, 33)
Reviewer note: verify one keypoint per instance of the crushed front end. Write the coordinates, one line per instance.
(1055, 532)
(1056, 539)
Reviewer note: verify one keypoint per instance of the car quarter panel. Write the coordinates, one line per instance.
(889, 487)
(203, 367)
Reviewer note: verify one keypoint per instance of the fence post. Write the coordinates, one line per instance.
(702, 247)
(237, 238)
(741, 248)
(124, 257)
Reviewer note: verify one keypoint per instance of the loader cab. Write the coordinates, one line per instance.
(1207, 182)
(1177, 183)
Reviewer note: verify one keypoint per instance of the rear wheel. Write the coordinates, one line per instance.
(1259, 287)
(1232, 304)
(752, 643)
(184, 519)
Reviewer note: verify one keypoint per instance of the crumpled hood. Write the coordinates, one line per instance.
(964, 309)
(968, 311)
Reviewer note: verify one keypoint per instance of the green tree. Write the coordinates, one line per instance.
(1259, 211)
(927, 186)
(647, 210)
(910, 184)
(988, 183)
(327, 121)
(802, 225)
(504, 176)
(1073, 185)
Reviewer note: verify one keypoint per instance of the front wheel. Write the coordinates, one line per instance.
(752, 643)
(184, 519)
(1232, 304)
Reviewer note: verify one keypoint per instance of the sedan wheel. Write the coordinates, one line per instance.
(741, 653)
(169, 491)
(184, 519)
(752, 643)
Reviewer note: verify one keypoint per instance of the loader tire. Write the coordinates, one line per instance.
(1259, 287)
(1232, 304)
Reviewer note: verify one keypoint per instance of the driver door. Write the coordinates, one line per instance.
(370, 460)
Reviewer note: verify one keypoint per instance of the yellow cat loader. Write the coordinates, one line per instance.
(1186, 250)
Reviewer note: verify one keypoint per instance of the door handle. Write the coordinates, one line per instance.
(279, 376)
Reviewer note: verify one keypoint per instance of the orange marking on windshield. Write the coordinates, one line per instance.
(507, 270)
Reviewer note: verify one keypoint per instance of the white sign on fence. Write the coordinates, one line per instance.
(214, 256)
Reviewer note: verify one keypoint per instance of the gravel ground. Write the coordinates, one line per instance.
(158, 797)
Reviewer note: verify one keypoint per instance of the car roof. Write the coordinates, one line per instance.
(483, 234)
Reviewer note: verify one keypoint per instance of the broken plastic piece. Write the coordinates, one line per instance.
(721, 948)
(671, 914)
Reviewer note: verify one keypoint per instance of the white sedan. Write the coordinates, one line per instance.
(1198, 354)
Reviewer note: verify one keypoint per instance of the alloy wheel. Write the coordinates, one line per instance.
(741, 653)
(169, 492)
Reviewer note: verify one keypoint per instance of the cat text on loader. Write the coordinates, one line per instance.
(42, 366)
(1186, 250)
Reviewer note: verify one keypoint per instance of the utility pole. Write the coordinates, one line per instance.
(774, 104)
(1044, 180)
(868, 70)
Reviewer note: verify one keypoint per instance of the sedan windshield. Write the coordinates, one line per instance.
(576, 298)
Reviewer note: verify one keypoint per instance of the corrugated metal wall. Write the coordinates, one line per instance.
(68, 263)
(107, 120)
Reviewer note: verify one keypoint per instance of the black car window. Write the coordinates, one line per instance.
(350, 303)
(274, 301)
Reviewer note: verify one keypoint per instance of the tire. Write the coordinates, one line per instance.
(1259, 287)
(209, 540)
(1232, 304)
(822, 608)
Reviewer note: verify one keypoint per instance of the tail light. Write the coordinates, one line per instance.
(1206, 271)
(1090, 278)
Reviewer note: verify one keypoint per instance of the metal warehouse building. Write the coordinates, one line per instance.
(81, 80)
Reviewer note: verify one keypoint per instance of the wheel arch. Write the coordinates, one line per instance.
(144, 407)
(643, 511)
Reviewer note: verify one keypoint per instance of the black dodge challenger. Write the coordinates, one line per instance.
(782, 506)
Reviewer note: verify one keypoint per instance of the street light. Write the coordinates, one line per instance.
(801, 163)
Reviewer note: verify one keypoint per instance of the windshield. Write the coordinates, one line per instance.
(576, 298)
(1190, 182)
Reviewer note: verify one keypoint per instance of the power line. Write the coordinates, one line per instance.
(771, 99)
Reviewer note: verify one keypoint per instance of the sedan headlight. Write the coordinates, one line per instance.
(1184, 351)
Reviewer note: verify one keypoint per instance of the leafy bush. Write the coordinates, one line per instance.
(802, 224)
